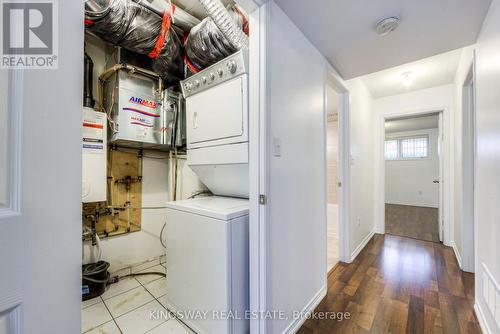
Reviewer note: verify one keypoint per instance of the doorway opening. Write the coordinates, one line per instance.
(337, 171)
(413, 173)
(333, 217)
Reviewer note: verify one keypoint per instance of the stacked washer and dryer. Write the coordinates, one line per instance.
(207, 237)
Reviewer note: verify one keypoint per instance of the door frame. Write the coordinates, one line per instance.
(258, 15)
(445, 160)
(469, 154)
(334, 80)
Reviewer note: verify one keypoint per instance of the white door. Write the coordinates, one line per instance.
(40, 189)
(440, 179)
(218, 115)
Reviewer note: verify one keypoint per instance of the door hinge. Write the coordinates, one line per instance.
(262, 199)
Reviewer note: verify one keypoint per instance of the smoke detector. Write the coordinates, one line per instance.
(387, 25)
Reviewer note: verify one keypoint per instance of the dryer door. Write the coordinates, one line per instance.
(219, 115)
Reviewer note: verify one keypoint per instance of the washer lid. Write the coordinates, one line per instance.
(223, 208)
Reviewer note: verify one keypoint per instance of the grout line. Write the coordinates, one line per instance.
(112, 317)
(186, 327)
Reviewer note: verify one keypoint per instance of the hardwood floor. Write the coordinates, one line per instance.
(412, 221)
(399, 285)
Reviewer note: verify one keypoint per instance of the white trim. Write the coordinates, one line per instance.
(447, 177)
(482, 319)
(457, 253)
(14, 165)
(468, 142)
(362, 245)
(334, 78)
(309, 308)
(423, 205)
(258, 171)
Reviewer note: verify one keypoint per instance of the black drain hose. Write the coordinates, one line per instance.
(96, 268)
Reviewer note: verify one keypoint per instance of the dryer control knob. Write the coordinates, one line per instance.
(232, 66)
(212, 76)
(220, 71)
(189, 86)
(197, 83)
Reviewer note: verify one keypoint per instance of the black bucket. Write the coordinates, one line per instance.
(95, 276)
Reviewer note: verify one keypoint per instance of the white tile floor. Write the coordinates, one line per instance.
(125, 308)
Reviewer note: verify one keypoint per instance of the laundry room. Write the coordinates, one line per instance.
(165, 167)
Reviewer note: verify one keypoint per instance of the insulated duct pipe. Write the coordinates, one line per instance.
(182, 19)
(225, 23)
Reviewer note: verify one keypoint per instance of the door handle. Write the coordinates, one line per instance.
(435, 181)
(195, 120)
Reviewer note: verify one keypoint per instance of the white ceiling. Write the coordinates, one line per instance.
(426, 73)
(343, 30)
(412, 124)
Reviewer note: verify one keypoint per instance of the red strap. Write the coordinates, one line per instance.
(246, 25)
(162, 37)
(190, 65)
(88, 22)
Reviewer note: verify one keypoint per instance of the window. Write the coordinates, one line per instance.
(414, 148)
(407, 148)
(391, 149)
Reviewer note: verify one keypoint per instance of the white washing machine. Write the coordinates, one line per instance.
(207, 263)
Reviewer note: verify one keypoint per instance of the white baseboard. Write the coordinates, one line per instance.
(457, 253)
(423, 205)
(482, 320)
(310, 307)
(362, 245)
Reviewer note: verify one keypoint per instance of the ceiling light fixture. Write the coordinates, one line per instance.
(387, 25)
(407, 79)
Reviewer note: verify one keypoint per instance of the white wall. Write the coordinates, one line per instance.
(410, 182)
(362, 160)
(296, 261)
(487, 188)
(432, 99)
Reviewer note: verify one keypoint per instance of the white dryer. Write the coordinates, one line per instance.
(217, 125)
(207, 263)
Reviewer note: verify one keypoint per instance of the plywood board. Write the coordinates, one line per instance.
(123, 208)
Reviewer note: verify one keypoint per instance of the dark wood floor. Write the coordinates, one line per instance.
(412, 221)
(399, 285)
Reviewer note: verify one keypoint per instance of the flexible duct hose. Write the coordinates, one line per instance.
(225, 23)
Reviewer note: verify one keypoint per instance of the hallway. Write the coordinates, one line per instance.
(399, 285)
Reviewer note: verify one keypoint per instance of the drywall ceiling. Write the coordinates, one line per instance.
(343, 30)
(426, 73)
(195, 8)
(412, 124)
